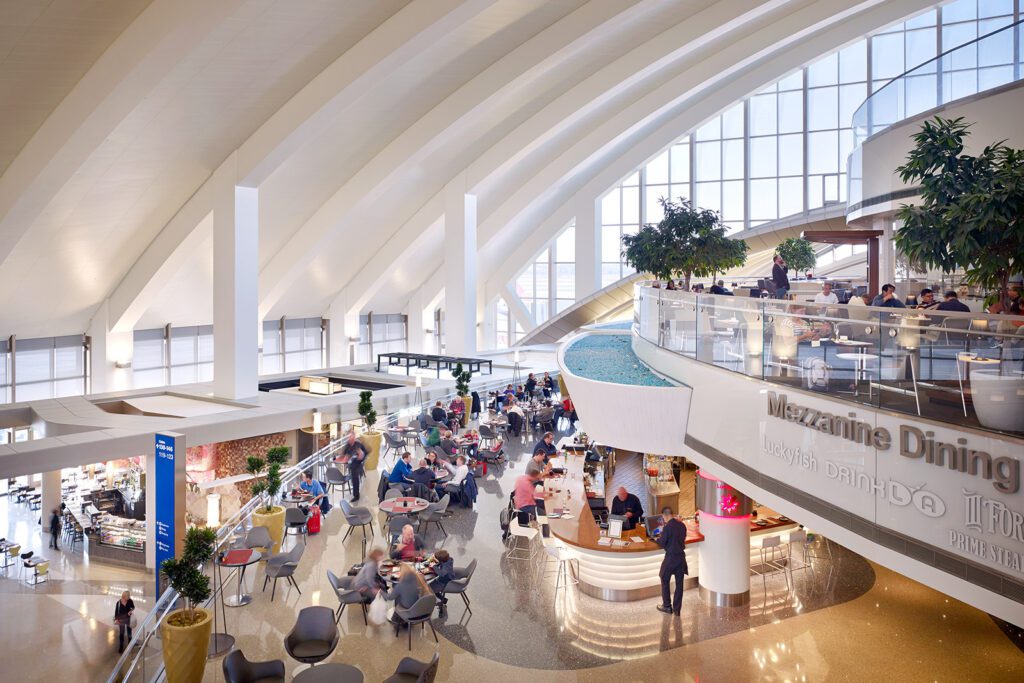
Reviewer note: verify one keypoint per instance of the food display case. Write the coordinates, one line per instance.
(120, 540)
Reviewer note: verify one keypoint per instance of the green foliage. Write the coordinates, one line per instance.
(687, 242)
(270, 483)
(184, 572)
(366, 410)
(798, 254)
(462, 378)
(970, 210)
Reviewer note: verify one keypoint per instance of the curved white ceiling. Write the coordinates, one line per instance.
(351, 116)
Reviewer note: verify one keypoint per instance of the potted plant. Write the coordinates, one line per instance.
(370, 437)
(186, 632)
(688, 241)
(798, 254)
(462, 378)
(270, 516)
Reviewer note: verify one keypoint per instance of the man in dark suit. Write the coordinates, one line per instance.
(780, 278)
(673, 540)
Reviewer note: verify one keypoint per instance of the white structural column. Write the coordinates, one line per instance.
(235, 288)
(460, 268)
(886, 250)
(50, 497)
(588, 247)
(107, 350)
(724, 575)
(340, 326)
(416, 322)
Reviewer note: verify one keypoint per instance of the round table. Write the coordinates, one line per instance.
(404, 505)
(968, 359)
(289, 499)
(239, 598)
(330, 673)
(389, 572)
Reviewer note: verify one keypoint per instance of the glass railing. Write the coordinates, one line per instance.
(982, 64)
(142, 661)
(963, 368)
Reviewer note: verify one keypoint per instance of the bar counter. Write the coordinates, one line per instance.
(626, 570)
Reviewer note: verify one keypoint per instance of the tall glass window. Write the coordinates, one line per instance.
(380, 333)
(149, 358)
(548, 285)
(47, 367)
(782, 151)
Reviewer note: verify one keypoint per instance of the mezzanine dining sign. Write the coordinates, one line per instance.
(913, 443)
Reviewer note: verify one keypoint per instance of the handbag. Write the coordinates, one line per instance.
(377, 614)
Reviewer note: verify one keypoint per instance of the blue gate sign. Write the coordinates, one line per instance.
(164, 503)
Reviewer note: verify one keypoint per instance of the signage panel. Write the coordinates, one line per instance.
(165, 503)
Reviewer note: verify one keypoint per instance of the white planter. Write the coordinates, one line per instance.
(998, 399)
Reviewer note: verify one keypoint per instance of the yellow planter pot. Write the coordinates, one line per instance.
(274, 522)
(185, 647)
(372, 442)
(467, 401)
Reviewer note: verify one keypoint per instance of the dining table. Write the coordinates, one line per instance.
(239, 558)
(404, 505)
(390, 570)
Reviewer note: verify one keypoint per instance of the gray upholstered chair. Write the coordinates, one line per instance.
(337, 480)
(461, 582)
(414, 671)
(283, 566)
(434, 514)
(238, 669)
(419, 613)
(294, 518)
(356, 517)
(314, 636)
(342, 587)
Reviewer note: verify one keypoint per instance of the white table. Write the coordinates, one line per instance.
(968, 359)
(861, 358)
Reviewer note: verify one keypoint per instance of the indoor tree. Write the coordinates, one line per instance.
(688, 241)
(366, 410)
(798, 254)
(185, 575)
(970, 211)
(271, 482)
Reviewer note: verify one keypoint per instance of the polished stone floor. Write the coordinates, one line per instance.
(847, 620)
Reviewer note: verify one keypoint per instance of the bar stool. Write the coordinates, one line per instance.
(77, 536)
(772, 560)
(563, 571)
(513, 549)
(12, 552)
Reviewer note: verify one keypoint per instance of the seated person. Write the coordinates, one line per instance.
(444, 571)
(540, 496)
(408, 546)
(887, 298)
(459, 473)
(439, 414)
(402, 469)
(423, 474)
(537, 466)
(826, 295)
(546, 446)
(569, 410)
(952, 303)
(448, 444)
(409, 588)
(804, 329)
(628, 505)
(926, 299)
(313, 488)
(718, 288)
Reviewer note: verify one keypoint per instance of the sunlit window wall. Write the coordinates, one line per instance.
(782, 151)
(548, 284)
(45, 367)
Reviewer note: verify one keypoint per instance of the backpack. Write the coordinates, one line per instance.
(816, 374)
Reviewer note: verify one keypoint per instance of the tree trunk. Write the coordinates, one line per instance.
(686, 281)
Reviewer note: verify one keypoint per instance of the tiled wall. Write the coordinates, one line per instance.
(227, 458)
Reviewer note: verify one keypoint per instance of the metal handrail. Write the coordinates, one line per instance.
(134, 657)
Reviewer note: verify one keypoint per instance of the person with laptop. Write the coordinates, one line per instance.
(673, 539)
(628, 506)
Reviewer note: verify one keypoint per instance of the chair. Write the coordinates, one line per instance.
(460, 583)
(563, 575)
(238, 669)
(393, 493)
(346, 596)
(487, 436)
(392, 444)
(335, 480)
(258, 538)
(294, 518)
(356, 517)
(283, 566)
(546, 419)
(419, 613)
(12, 552)
(24, 558)
(41, 571)
(414, 671)
(314, 636)
(434, 514)
(515, 532)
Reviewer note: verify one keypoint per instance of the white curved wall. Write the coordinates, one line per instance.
(994, 116)
(637, 418)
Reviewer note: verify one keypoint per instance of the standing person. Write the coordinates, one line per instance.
(549, 385)
(356, 453)
(673, 540)
(55, 529)
(780, 278)
(123, 609)
(368, 581)
(531, 384)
